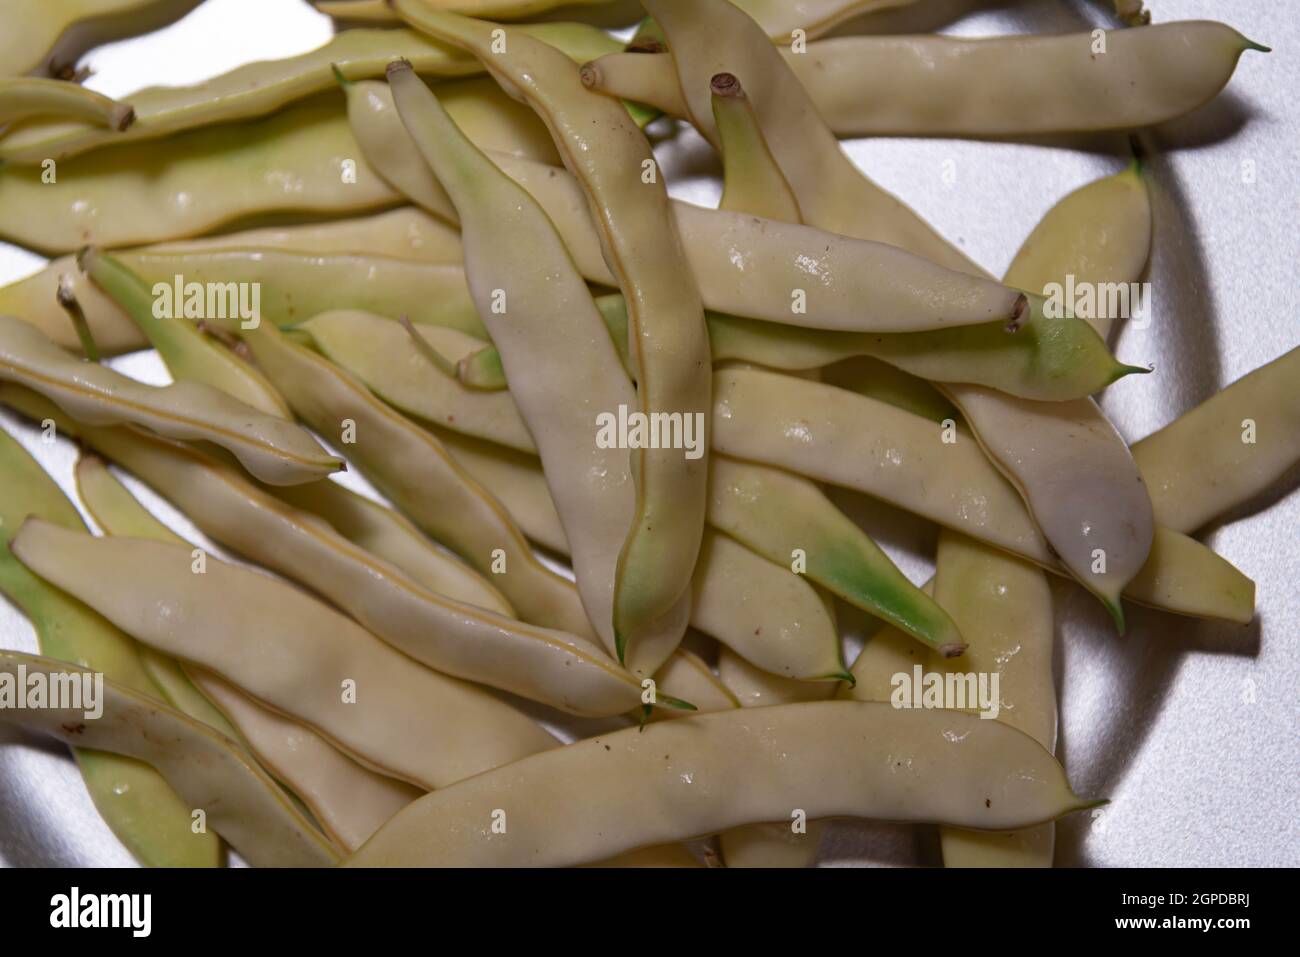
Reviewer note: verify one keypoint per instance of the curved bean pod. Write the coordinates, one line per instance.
(242, 803)
(781, 515)
(712, 36)
(1071, 467)
(1004, 608)
(387, 534)
(832, 435)
(258, 89)
(748, 603)
(32, 96)
(647, 787)
(1050, 360)
(276, 451)
(543, 321)
(751, 180)
(187, 353)
(671, 351)
(117, 512)
(349, 801)
(1101, 232)
(135, 801)
(1077, 478)
(931, 85)
(413, 470)
(289, 651)
(378, 352)
(772, 844)
(1201, 464)
(452, 637)
(294, 161)
(744, 265)
(404, 233)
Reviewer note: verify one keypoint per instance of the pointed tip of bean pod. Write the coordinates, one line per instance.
(845, 676)
(645, 716)
(339, 78)
(1085, 805)
(1257, 47)
(620, 646)
(677, 704)
(1122, 370)
(953, 649)
(1117, 613)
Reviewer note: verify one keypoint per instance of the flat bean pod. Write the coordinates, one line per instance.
(302, 161)
(405, 233)
(117, 512)
(744, 265)
(544, 323)
(272, 449)
(1004, 608)
(33, 96)
(187, 352)
(787, 628)
(670, 351)
(1226, 450)
(413, 470)
(242, 803)
(679, 779)
(774, 844)
(933, 85)
(387, 534)
(1101, 232)
(349, 801)
(289, 651)
(450, 636)
(137, 803)
(1077, 478)
(378, 352)
(258, 89)
(835, 436)
(1050, 360)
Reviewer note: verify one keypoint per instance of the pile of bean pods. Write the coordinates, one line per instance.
(439, 252)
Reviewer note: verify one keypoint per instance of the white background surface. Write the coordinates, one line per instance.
(1189, 727)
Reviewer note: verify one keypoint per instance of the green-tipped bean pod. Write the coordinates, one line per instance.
(835, 436)
(188, 354)
(272, 449)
